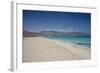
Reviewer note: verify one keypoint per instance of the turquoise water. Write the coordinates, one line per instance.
(79, 40)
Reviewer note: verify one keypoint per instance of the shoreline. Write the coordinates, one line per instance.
(74, 43)
(69, 43)
(37, 49)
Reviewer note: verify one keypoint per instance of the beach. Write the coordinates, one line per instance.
(38, 49)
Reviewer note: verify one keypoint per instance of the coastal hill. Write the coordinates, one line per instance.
(30, 34)
(53, 33)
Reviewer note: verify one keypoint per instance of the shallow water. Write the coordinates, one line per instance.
(79, 40)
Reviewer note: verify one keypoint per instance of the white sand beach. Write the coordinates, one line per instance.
(37, 49)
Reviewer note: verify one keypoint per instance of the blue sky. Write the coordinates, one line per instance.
(60, 21)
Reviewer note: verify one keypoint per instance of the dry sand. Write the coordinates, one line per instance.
(37, 49)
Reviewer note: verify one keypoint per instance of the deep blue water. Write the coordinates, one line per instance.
(79, 40)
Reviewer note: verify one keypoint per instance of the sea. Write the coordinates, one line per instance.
(79, 40)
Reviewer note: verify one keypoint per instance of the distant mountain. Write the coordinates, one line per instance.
(58, 33)
(30, 34)
(53, 33)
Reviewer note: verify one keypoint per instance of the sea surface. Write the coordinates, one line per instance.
(79, 40)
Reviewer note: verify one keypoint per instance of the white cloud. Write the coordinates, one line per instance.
(68, 29)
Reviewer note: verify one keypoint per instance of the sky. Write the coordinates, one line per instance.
(37, 21)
